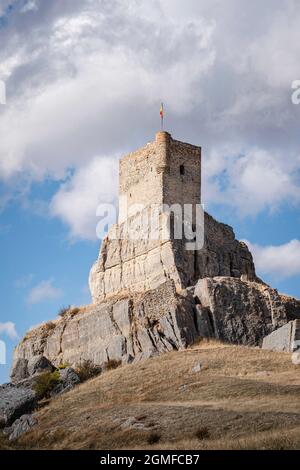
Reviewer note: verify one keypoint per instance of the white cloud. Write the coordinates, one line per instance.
(30, 5)
(85, 78)
(43, 291)
(251, 182)
(9, 329)
(280, 261)
(76, 201)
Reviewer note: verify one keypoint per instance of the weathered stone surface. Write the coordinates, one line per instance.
(68, 378)
(130, 266)
(14, 402)
(296, 358)
(157, 321)
(20, 370)
(20, 427)
(25, 368)
(286, 338)
(38, 365)
(239, 312)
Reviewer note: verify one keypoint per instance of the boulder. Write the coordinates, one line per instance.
(286, 338)
(38, 365)
(14, 402)
(20, 427)
(68, 378)
(196, 368)
(20, 370)
(296, 358)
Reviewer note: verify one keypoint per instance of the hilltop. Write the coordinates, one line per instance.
(209, 396)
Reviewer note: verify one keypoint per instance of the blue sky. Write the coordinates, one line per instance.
(84, 82)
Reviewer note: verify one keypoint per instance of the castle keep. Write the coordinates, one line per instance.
(152, 295)
(164, 172)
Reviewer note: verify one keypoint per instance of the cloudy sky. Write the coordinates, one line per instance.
(84, 81)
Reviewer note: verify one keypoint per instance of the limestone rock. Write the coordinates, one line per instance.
(14, 402)
(68, 380)
(286, 338)
(130, 265)
(239, 312)
(20, 427)
(122, 329)
(38, 365)
(196, 368)
(20, 370)
(296, 358)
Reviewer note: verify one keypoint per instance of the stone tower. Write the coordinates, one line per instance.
(165, 171)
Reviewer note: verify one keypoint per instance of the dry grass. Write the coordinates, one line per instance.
(244, 398)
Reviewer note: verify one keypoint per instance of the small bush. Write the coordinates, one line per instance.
(202, 433)
(112, 364)
(153, 438)
(63, 311)
(49, 326)
(87, 370)
(45, 383)
(63, 365)
(68, 311)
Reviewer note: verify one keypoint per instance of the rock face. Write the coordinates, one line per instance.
(68, 380)
(20, 427)
(14, 402)
(157, 321)
(161, 320)
(286, 338)
(128, 266)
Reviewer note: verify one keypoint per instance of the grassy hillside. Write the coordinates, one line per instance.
(241, 398)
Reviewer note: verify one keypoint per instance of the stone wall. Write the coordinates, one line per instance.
(165, 171)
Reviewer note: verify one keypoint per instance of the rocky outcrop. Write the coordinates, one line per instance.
(129, 265)
(20, 427)
(286, 338)
(123, 328)
(15, 400)
(142, 325)
(240, 312)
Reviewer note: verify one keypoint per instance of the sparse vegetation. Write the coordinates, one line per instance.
(63, 311)
(45, 383)
(112, 364)
(153, 438)
(63, 365)
(246, 397)
(87, 370)
(202, 433)
(71, 311)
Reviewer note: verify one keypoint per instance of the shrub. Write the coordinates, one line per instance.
(202, 433)
(87, 370)
(63, 365)
(112, 364)
(45, 383)
(63, 310)
(68, 311)
(153, 438)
